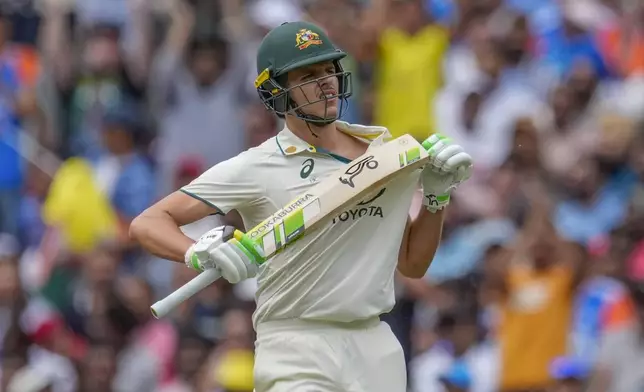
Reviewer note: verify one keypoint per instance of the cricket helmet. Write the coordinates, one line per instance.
(290, 46)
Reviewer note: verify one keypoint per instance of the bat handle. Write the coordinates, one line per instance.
(166, 305)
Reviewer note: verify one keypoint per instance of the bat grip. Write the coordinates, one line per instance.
(166, 305)
(250, 245)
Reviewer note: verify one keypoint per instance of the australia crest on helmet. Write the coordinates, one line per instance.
(305, 38)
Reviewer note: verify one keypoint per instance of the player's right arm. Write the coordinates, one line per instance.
(224, 187)
(157, 228)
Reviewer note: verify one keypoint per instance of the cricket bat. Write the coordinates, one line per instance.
(321, 203)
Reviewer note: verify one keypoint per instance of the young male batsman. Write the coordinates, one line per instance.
(319, 300)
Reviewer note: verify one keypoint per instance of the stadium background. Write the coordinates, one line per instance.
(107, 105)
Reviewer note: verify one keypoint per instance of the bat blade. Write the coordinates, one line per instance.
(341, 190)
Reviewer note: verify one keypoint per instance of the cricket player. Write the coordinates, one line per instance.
(319, 300)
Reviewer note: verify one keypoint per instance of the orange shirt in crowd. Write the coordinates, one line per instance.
(25, 60)
(622, 53)
(535, 317)
(619, 313)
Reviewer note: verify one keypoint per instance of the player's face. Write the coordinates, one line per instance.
(315, 89)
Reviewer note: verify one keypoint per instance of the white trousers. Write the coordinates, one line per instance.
(303, 356)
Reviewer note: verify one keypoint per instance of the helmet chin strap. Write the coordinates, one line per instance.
(313, 119)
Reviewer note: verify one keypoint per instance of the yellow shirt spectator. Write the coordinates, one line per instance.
(408, 77)
(534, 325)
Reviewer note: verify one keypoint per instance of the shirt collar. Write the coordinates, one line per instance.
(289, 144)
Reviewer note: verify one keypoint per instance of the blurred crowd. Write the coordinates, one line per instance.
(107, 106)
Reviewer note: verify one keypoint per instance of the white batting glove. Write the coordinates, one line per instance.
(449, 165)
(219, 249)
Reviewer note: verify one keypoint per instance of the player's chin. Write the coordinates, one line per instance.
(330, 108)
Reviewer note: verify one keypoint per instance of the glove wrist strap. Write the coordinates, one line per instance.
(191, 259)
(434, 203)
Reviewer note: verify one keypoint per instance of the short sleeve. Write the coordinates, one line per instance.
(227, 186)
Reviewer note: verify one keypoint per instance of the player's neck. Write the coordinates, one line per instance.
(326, 136)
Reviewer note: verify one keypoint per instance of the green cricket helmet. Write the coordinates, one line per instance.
(290, 46)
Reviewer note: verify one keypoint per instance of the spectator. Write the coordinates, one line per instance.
(99, 368)
(566, 139)
(12, 299)
(31, 224)
(621, 355)
(563, 47)
(592, 207)
(83, 299)
(123, 172)
(196, 82)
(408, 49)
(190, 356)
(482, 116)
(146, 359)
(535, 291)
(11, 165)
(459, 361)
(602, 302)
(54, 349)
(622, 42)
(98, 83)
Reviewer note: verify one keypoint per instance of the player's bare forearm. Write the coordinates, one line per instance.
(420, 242)
(157, 228)
(159, 235)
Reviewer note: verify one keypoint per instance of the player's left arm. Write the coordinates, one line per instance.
(449, 166)
(420, 242)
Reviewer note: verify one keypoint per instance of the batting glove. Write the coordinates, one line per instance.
(219, 249)
(449, 165)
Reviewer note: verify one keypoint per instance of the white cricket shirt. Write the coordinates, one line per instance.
(341, 271)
